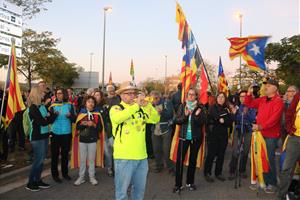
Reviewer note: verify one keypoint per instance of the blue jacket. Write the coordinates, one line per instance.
(44, 112)
(63, 124)
(248, 118)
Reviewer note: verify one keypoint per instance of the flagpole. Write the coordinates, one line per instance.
(5, 84)
(241, 29)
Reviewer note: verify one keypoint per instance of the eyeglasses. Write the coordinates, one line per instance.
(191, 94)
(130, 93)
(242, 96)
(291, 91)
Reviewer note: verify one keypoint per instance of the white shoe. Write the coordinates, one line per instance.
(79, 181)
(93, 181)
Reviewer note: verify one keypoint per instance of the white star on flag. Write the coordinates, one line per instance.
(255, 49)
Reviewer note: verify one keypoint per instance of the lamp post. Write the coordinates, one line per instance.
(239, 16)
(106, 9)
(166, 68)
(91, 64)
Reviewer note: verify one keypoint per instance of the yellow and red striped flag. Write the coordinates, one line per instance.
(180, 19)
(222, 83)
(132, 70)
(259, 159)
(15, 102)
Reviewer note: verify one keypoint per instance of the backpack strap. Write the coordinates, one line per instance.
(120, 126)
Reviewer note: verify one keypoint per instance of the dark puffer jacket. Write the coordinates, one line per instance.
(197, 121)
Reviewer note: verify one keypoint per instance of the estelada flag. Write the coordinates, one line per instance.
(222, 83)
(251, 48)
(75, 153)
(15, 101)
(259, 159)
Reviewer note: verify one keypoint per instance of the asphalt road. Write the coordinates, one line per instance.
(159, 186)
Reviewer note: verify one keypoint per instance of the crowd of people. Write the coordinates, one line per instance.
(119, 122)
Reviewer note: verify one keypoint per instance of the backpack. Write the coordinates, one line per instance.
(27, 124)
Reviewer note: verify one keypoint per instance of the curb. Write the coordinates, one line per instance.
(19, 174)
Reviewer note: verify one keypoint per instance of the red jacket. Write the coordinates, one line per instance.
(290, 115)
(268, 114)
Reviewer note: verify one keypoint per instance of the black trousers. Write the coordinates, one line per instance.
(194, 149)
(149, 140)
(60, 144)
(15, 131)
(216, 148)
(4, 144)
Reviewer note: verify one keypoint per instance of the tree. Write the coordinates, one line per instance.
(31, 7)
(150, 85)
(36, 49)
(57, 71)
(286, 54)
(3, 60)
(41, 59)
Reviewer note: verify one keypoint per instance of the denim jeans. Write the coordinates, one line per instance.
(39, 148)
(130, 172)
(108, 149)
(161, 148)
(271, 177)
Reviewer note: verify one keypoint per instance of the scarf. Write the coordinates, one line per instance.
(191, 105)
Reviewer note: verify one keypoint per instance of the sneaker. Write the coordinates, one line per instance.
(177, 189)
(79, 181)
(290, 196)
(269, 189)
(110, 172)
(93, 181)
(209, 179)
(191, 187)
(32, 187)
(42, 185)
(253, 187)
(221, 178)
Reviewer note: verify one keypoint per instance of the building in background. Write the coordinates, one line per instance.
(86, 80)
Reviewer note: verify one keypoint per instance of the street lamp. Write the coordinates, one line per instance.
(106, 9)
(91, 64)
(239, 16)
(166, 67)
